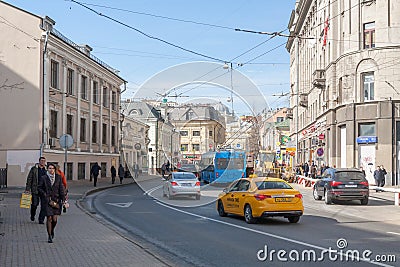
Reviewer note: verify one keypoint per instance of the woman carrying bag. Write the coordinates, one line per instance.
(50, 186)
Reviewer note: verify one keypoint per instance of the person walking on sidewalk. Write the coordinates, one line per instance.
(121, 173)
(32, 186)
(95, 173)
(136, 169)
(113, 174)
(379, 177)
(51, 188)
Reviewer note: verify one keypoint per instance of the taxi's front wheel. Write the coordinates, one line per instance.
(248, 215)
(221, 210)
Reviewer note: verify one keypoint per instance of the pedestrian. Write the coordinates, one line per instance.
(32, 186)
(362, 170)
(383, 176)
(163, 170)
(136, 169)
(113, 174)
(306, 169)
(95, 173)
(378, 176)
(51, 188)
(64, 182)
(121, 173)
(167, 166)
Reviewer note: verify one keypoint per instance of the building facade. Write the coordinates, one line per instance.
(344, 89)
(52, 87)
(201, 129)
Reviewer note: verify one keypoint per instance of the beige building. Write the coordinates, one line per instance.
(201, 128)
(50, 86)
(344, 87)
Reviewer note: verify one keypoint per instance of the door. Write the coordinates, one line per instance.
(239, 197)
(343, 147)
(367, 161)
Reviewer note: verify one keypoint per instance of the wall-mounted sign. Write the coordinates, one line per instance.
(367, 139)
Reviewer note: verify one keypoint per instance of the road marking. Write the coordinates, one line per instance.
(268, 234)
(121, 205)
(394, 233)
(151, 190)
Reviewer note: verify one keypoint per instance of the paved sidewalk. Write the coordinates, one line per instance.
(80, 238)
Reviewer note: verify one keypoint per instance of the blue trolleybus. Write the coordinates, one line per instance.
(222, 166)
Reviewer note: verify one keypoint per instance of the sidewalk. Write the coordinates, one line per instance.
(80, 238)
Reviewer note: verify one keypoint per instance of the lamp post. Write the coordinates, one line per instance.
(229, 67)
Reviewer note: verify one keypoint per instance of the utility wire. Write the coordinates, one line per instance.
(147, 35)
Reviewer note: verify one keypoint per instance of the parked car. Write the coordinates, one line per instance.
(342, 184)
(181, 184)
(189, 168)
(259, 197)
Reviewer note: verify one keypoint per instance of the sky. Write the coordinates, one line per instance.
(146, 40)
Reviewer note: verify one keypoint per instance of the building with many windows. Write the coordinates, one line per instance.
(50, 86)
(345, 92)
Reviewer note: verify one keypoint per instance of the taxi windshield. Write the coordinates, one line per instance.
(272, 185)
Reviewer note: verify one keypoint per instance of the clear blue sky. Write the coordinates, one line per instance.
(139, 58)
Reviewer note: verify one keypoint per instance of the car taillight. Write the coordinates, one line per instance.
(197, 183)
(299, 196)
(335, 183)
(174, 184)
(364, 183)
(262, 197)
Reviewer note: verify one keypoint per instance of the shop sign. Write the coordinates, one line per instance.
(367, 139)
(321, 136)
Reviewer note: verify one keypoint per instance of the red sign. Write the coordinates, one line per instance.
(321, 136)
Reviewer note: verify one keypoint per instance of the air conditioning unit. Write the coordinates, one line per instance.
(289, 113)
(52, 142)
(303, 100)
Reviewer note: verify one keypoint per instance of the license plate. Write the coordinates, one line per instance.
(186, 184)
(350, 185)
(283, 199)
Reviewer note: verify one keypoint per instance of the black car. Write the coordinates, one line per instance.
(342, 184)
(189, 168)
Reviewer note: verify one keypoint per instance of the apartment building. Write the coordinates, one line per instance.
(345, 92)
(50, 87)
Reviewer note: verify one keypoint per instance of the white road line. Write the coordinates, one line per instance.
(377, 199)
(394, 233)
(268, 234)
(151, 190)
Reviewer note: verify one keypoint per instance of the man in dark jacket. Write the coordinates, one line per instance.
(95, 172)
(113, 174)
(32, 186)
(121, 173)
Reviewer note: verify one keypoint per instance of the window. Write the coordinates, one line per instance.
(103, 166)
(105, 99)
(368, 82)
(190, 115)
(210, 133)
(196, 147)
(81, 170)
(94, 131)
(196, 133)
(84, 87)
(114, 101)
(183, 133)
(366, 129)
(369, 35)
(104, 139)
(184, 147)
(95, 92)
(70, 82)
(83, 130)
(113, 135)
(279, 119)
(68, 173)
(54, 74)
(69, 124)
(53, 123)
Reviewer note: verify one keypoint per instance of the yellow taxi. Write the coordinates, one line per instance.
(261, 197)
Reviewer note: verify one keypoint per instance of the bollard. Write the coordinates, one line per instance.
(396, 198)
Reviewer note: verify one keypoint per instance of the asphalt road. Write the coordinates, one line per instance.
(190, 232)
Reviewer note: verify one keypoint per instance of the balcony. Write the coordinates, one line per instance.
(319, 79)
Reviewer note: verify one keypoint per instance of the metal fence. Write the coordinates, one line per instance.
(3, 177)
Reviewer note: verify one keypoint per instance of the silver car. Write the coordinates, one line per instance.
(181, 184)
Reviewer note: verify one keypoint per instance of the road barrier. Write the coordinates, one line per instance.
(305, 181)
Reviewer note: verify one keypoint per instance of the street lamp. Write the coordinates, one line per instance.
(229, 67)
